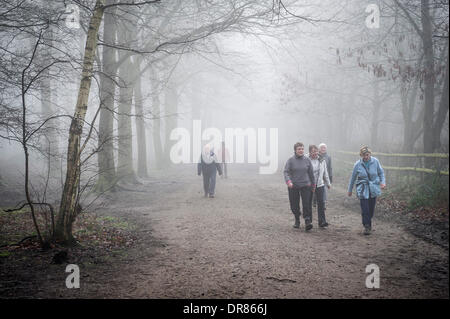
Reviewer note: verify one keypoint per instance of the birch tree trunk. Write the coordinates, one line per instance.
(69, 207)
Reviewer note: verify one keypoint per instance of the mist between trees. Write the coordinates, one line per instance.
(91, 109)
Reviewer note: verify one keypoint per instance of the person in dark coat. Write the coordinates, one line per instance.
(208, 166)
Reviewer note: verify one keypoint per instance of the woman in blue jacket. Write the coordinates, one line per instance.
(368, 175)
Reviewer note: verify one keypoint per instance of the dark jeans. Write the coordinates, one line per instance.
(325, 191)
(294, 199)
(209, 183)
(320, 197)
(367, 210)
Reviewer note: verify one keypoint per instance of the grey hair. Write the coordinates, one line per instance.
(322, 144)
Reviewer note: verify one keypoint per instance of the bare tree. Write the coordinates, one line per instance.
(432, 121)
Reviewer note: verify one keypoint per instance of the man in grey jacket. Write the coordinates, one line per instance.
(299, 177)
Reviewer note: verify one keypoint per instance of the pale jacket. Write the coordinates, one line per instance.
(321, 174)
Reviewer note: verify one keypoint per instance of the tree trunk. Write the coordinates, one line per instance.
(156, 123)
(106, 165)
(408, 143)
(429, 144)
(345, 120)
(69, 206)
(51, 141)
(125, 170)
(376, 103)
(140, 123)
(412, 129)
(171, 106)
(443, 107)
(196, 101)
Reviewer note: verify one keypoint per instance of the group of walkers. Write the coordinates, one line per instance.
(308, 177)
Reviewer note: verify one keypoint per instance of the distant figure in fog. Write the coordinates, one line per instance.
(321, 180)
(208, 166)
(369, 178)
(299, 177)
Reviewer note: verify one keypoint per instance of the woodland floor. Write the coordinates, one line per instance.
(241, 244)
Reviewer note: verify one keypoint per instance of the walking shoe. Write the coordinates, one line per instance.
(323, 225)
(297, 223)
(367, 230)
(211, 195)
(308, 227)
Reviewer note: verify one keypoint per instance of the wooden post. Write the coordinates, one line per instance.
(422, 165)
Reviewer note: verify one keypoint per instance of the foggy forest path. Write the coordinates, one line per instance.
(241, 244)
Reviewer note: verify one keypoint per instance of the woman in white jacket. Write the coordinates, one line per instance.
(321, 180)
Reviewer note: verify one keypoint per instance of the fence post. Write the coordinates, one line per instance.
(408, 180)
(422, 165)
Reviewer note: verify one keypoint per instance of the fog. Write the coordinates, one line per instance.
(117, 118)
(316, 71)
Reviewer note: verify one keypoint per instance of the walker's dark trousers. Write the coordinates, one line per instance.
(209, 182)
(367, 210)
(294, 199)
(320, 195)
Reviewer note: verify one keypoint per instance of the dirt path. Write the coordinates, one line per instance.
(241, 244)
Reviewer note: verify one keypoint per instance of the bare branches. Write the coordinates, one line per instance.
(132, 3)
(409, 17)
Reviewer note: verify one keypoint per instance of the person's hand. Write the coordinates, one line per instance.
(313, 188)
(329, 186)
(290, 185)
(383, 186)
(349, 194)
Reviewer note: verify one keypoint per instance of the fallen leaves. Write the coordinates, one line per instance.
(402, 207)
